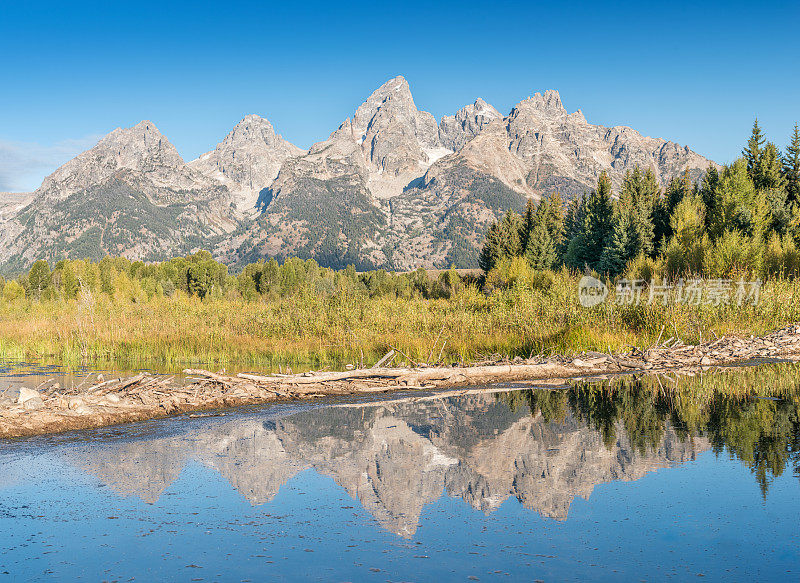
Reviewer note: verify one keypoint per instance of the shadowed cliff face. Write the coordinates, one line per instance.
(397, 458)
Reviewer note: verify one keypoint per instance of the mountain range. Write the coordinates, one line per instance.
(389, 188)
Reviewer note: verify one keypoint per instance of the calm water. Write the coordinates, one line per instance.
(578, 484)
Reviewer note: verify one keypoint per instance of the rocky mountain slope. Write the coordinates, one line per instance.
(389, 188)
(395, 459)
(247, 160)
(131, 194)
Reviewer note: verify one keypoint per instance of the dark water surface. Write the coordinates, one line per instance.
(599, 482)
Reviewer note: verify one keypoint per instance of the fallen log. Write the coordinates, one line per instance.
(328, 376)
(131, 381)
(385, 359)
(209, 375)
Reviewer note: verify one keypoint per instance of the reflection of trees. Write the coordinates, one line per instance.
(760, 432)
(759, 426)
(551, 404)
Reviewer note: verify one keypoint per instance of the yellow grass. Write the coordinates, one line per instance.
(312, 329)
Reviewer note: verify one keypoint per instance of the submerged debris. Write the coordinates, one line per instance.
(53, 408)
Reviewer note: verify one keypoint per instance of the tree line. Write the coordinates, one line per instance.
(201, 276)
(743, 218)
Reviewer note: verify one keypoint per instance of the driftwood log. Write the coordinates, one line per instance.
(51, 408)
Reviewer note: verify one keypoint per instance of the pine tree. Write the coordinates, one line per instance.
(708, 191)
(555, 218)
(770, 170)
(541, 250)
(573, 224)
(543, 232)
(623, 244)
(529, 222)
(791, 167)
(677, 190)
(490, 253)
(640, 193)
(511, 229)
(503, 239)
(598, 222)
(752, 152)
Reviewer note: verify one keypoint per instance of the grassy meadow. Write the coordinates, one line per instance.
(531, 314)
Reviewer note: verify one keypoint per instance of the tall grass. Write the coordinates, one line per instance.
(312, 329)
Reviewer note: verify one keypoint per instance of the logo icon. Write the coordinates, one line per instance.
(591, 291)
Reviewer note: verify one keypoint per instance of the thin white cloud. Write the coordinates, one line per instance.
(23, 165)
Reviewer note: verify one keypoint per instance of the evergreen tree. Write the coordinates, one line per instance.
(791, 167)
(677, 190)
(555, 219)
(661, 226)
(770, 169)
(529, 221)
(752, 152)
(543, 232)
(623, 244)
(511, 228)
(640, 193)
(738, 206)
(541, 250)
(504, 239)
(490, 253)
(573, 224)
(708, 191)
(599, 217)
(594, 229)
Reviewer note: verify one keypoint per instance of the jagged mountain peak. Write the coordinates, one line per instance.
(394, 94)
(247, 160)
(394, 88)
(253, 125)
(388, 142)
(138, 144)
(549, 102)
(390, 188)
(140, 148)
(253, 128)
(456, 130)
(481, 105)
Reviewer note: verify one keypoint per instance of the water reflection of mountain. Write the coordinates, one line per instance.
(396, 458)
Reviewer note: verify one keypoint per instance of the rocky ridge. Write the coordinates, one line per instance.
(388, 188)
(247, 160)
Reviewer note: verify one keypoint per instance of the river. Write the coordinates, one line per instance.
(594, 482)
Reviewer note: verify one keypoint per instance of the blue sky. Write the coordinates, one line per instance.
(695, 74)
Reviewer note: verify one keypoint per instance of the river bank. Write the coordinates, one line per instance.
(54, 409)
